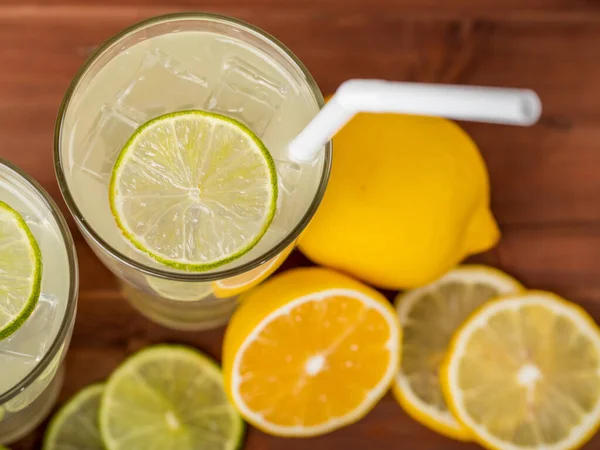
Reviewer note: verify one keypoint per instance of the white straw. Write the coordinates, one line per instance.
(472, 103)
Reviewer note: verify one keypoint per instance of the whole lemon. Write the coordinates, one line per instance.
(407, 200)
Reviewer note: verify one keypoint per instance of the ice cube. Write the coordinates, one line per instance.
(289, 175)
(113, 126)
(30, 220)
(245, 93)
(162, 85)
(30, 342)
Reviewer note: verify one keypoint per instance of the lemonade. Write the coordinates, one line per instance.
(31, 355)
(175, 63)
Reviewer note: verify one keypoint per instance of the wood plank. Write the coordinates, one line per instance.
(563, 10)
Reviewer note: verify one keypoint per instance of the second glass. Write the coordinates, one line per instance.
(31, 368)
(183, 62)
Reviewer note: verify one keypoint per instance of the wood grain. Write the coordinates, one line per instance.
(546, 191)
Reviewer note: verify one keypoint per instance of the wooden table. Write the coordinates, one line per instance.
(545, 179)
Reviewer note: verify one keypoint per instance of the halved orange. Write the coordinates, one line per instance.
(310, 351)
(232, 286)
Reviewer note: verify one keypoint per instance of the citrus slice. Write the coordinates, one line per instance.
(168, 396)
(523, 372)
(183, 291)
(193, 190)
(429, 316)
(75, 426)
(20, 271)
(232, 286)
(309, 351)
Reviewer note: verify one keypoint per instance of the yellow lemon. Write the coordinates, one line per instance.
(407, 200)
(310, 351)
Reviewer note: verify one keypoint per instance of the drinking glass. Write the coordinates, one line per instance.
(182, 62)
(31, 369)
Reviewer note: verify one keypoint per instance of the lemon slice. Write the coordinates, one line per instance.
(193, 190)
(232, 286)
(20, 271)
(75, 426)
(168, 397)
(309, 351)
(429, 317)
(523, 372)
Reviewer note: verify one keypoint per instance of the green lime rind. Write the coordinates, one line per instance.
(168, 396)
(189, 267)
(36, 255)
(75, 425)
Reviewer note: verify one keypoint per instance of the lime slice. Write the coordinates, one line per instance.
(20, 271)
(193, 190)
(75, 426)
(168, 396)
(180, 290)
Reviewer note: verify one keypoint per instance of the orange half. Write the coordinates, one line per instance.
(310, 351)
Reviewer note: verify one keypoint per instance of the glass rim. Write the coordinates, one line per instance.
(154, 271)
(69, 315)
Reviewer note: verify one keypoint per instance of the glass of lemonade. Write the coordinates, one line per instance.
(32, 349)
(215, 69)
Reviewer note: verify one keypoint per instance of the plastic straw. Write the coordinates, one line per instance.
(473, 103)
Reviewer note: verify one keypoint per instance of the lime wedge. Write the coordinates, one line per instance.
(75, 426)
(193, 190)
(168, 396)
(20, 271)
(180, 290)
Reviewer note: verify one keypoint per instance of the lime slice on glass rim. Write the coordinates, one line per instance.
(75, 426)
(168, 396)
(20, 271)
(193, 190)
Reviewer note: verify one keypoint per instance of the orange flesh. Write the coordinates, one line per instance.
(348, 344)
